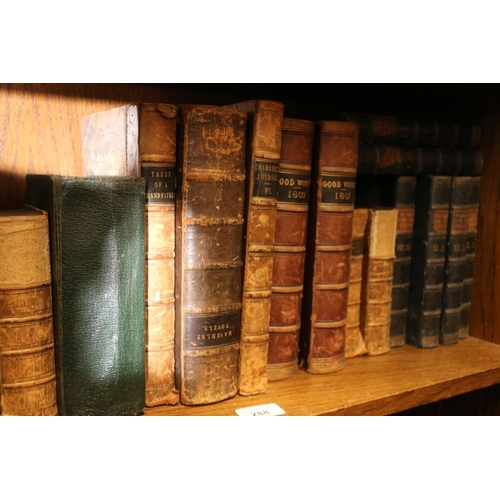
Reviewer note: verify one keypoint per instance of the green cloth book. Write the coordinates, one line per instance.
(98, 278)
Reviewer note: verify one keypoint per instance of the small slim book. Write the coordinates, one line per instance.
(209, 240)
(139, 139)
(27, 363)
(328, 252)
(98, 284)
(432, 199)
(263, 148)
(377, 277)
(290, 239)
(354, 342)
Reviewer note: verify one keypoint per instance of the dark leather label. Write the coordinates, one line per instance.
(403, 245)
(293, 187)
(160, 182)
(358, 245)
(265, 178)
(213, 330)
(337, 189)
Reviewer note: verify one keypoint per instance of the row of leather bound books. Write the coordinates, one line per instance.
(210, 250)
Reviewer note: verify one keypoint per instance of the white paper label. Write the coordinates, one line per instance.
(267, 410)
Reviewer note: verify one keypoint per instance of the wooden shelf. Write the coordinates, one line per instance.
(404, 378)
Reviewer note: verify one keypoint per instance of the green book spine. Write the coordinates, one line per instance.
(98, 285)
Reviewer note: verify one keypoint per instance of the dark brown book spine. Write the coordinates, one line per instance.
(209, 237)
(473, 212)
(328, 253)
(376, 290)
(290, 238)
(432, 198)
(264, 124)
(456, 248)
(27, 355)
(354, 342)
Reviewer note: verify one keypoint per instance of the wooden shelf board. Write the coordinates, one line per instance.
(404, 378)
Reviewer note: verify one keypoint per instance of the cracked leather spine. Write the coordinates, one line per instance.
(209, 239)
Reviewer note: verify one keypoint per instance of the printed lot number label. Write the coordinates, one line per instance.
(267, 410)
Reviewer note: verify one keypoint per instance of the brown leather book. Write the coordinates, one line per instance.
(354, 342)
(27, 361)
(328, 253)
(290, 247)
(209, 239)
(376, 291)
(264, 123)
(140, 139)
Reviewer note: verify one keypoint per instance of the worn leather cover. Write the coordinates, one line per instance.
(328, 253)
(354, 342)
(376, 290)
(456, 249)
(290, 239)
(140, 139)
(97, 257)
(209, 239)
(27, 365)
(474, 184)
(432, 198)
(263, 148)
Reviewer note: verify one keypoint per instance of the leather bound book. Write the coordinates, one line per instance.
(376, 290)
(456, 248)
(468, 270)
(354, 342)
(264, 124)
(27, 364)
(430, 229)
(209, 239)
(290, 239)
(328, 253)
(97, 257)
(471, 162)
(140, 139)
(399, 192)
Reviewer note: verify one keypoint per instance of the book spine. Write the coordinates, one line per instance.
(290, 238)
(456, 248)
(264, 125)
(98, 284)
(405, 205)
(328, 252)
(209, 239)
(157, 155)
(473, 211)
(432, 198)
(354, 342)
(27, 363)
(376, 291)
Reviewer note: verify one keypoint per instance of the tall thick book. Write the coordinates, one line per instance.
(97, 258)
(456, 249)
(27, 363)
(328, 253)
(264, 124)
(473, 209)
(432, 198)
(209, 240)
(399, 192)
(290, 239)
(376, 290)
(140, 139)
(354, 342)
